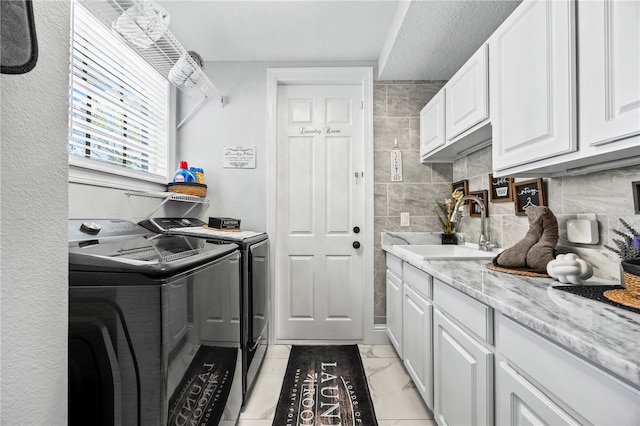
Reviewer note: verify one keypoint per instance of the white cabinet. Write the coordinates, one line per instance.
(609, 71)
(557, 377)
(467, 95)
(532, 84)
(394, 301)
(432, 126)
(520, 403)
(394, 311)
(417, 345)
(456, 121)
(463, 376)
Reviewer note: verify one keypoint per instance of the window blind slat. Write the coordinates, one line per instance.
(122, 140)
(117, 155)
(104, 46)
(104, 105)
(125, 72)
(118, 103)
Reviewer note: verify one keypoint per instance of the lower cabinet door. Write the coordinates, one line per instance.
(394, 311)
(417, 342)
(463, 376)
(520, 403)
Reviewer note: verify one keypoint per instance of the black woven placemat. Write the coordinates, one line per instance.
(596, 292)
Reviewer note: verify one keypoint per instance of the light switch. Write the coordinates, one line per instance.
(404, 219)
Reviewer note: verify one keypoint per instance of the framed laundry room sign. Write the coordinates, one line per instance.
(239, 157)
(528, 193)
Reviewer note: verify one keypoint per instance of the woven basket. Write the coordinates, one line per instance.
(188, 188)
(632, 276)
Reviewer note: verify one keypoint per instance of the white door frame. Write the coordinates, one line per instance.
(347, 75)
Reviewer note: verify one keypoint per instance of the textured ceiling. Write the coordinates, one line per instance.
(281, 30)
(418, 40)
(437, 37)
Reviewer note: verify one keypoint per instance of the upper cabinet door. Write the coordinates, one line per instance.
(532, 83)
(432, 125)
(467, 95)
(609, 63)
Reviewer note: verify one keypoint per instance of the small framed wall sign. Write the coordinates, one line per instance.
(528, 193)
(500, 190)
(636, 196)
(462, 186)
(474, 209)
(239, 157)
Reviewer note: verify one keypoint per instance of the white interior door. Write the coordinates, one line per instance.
(320, 187)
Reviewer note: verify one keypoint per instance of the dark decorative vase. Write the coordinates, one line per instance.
(449, 238)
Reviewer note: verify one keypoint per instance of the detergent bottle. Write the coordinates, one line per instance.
(183, 174)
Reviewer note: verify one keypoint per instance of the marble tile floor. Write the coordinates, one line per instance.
(396, 401)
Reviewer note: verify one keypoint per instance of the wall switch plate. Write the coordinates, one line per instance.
(404, 219)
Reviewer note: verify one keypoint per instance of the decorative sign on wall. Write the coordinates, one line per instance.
(239, 157)
(474, 209)
(500, 189)
(462, 186)
(636, 196)
(528, 193)
(396, 165)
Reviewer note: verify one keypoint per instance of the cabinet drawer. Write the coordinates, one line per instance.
(476, 316)
(590, 392)
(419, 280)
(394, 264)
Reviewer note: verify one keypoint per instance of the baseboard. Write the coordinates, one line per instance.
(380, 336)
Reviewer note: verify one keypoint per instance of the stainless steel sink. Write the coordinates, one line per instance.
(444, 252)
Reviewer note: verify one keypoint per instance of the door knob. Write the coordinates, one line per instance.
(356, 229)
(356, 244)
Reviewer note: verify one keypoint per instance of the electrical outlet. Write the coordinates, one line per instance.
(404, 219)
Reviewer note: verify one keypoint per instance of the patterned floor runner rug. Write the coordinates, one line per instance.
(325, 385)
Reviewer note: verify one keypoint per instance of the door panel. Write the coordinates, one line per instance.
(320, 149)
(300, 185)
(301, 272)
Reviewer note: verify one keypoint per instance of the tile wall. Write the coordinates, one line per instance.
(397, 106)
(608, 194)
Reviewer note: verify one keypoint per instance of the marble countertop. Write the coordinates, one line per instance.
(599, 332)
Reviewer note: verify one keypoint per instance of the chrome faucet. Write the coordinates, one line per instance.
(484, 243)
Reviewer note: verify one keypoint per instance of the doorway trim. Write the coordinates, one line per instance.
(322, 75)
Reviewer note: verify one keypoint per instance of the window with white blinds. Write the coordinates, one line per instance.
(119, 105)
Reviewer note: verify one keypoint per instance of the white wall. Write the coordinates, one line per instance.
(33, 248)
(238, 193)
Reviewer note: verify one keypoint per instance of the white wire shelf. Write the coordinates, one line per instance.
(169, 196)
(162, 54)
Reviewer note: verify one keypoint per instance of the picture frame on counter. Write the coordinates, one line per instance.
(474, 209)
(500, 189)
(528, 193)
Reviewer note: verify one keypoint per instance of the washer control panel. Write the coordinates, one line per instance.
(101, 229)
